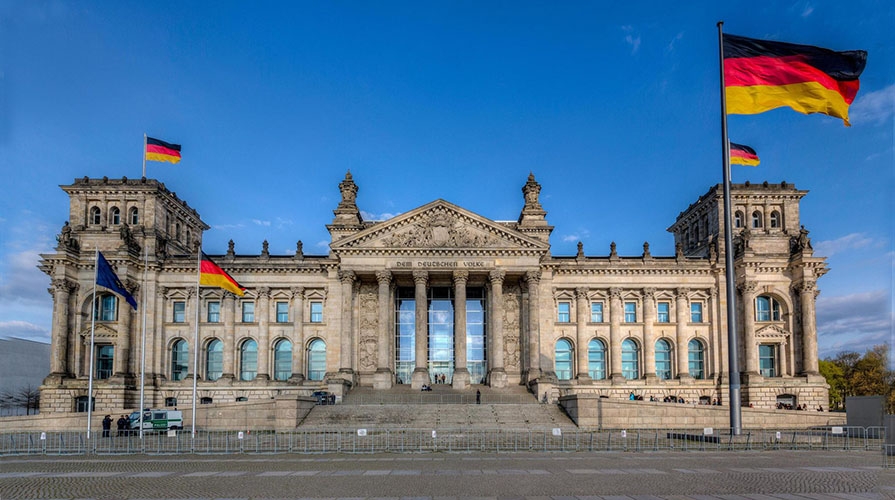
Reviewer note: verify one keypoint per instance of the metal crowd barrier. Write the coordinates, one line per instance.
(374, 440)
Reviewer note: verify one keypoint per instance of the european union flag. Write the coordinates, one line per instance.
(106, 277)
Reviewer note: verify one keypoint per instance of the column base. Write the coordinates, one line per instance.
(651, 378)
(531, 375)
(497, 378)
(419, 378)
(296, 378)
(749, 377)
(685, 378)
(618, 379)
(460, 380)
(347, 374)
(383, 379)
(584, 379)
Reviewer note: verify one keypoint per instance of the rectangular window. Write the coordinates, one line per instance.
(105, 355)
(248, 312)
(179, 312)
(214, 312)
(316, 312)
(662, 308)
(564, 312)
(596, 312)
(630, 312)
(767, 360)
(696, 312)
(282, 312)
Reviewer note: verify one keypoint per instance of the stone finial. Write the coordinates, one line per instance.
(265, 249)
(613, 254)
(580, 250)
(299, 250)
(679, 250)
(646, 253)
(230, 249)
(347, 213)
(349, 191)
(531, 190)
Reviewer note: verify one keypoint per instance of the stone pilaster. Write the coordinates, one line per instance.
(263, 312)
(750, 347)
(807, 294)
(649, 335)
(460, 380)
(681, 305)
(533, 279)
(497, 375)
(420, 371)
(616, 313)
(346, 336)
(62, 289)
(384, 377)
(229, 313)
(581, 335)
(298, 335)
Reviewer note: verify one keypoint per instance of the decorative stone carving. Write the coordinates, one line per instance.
(511, 326)
(801, 242)
(682, 293)
(299, 250)
(265, 249)
(646, 254)
(531, 191)
(580, 254)
(262, 291)
(66, 240)
(297, 291)
(230, 249)
(349, 192)
(497, 276)
(533, 278)
(347, 277)
(369, 325)
(383, 276)
(615, 293)
(649, 293)
(441, 230)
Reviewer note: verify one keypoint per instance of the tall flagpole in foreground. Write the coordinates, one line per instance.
(143, 338)
(144, 174)
(196, 336)
(736, 422)
(92, 336)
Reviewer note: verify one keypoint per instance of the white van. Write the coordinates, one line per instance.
(157, 420)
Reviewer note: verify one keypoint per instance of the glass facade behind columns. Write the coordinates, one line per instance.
(405, 341)
(476, 350)
(441, 334)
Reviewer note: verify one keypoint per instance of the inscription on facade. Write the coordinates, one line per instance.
(441, 264)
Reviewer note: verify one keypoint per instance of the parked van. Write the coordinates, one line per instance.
(157, 420)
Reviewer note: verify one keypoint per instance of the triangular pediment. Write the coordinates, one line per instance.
(439, 225)
(771, 332)
(100, 331)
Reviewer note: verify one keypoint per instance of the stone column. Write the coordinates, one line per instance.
(750, 348)
(581, 335)
(229, 312)
(298, 334)
(263, 312)
(460, 380)
(498, 377)
(807, 293)
(533, 279)
(123, 340)
(161, 361)
(347, 334)
(681, 305)
(616, 313)
(649, 335)
(61, 292)
(384, 377)
(420, 371)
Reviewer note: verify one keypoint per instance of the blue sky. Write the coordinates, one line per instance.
(614, 106)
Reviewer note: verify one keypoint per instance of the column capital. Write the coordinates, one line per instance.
(581, 293)
(161, 291)
(682, 292)
(421, 277)
(649, 293)
(63, 285)
(297, 291)
(533, 277)
(805, 287)
(497, 276)
(347, 277)
(461, 276)
(615, 293)
(262, 292)
(748, 288)
(384, 276)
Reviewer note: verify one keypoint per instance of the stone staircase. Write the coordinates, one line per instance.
(442, 408)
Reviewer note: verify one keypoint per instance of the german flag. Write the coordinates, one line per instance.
(210, 274)
(157, 150)
(743, 155)
(761, 75)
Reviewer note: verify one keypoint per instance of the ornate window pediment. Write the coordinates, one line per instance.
(438, 225)
(772, 333)
(101, 331)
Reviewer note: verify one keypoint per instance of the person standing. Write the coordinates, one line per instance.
(122, 426)
(107, 425)
(478, 397)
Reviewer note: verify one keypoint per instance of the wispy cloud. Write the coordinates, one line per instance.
(258, 222)
(670, 47)
(22, 281)
(227, 227)
(853, 241)
(323, 244)
(378, 217)
(23, 330)
(632, 38)
(807, 10)
(854, 322)
(875, 107)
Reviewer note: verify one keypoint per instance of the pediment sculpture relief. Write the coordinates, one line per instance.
(440, 230)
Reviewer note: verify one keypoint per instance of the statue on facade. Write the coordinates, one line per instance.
(531, 191)
(646, 253)
(265, 249)
(349, 191)
(299, 250)
(801, 242)
(612, 251)
(127, 237)
(580, 250)
(65, 238)
(231, 248)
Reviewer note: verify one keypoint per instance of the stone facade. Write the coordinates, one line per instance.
(382, 307)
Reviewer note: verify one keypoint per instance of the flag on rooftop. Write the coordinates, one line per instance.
(743, 155)
(210, 274)
(106, 277)
(760, 75)
(157, 150)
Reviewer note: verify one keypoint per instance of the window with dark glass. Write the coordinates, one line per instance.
(106, 308)
(282, 360)
(179, 311)
(96, 216)
(316, 360)
(696, 359)
(179, 360)
(696, 312)
(596, 312)
(170, 401)
(766, 309)
(767, 360)
(630, 360)
(476, 335)
(775, 219)
(316, 312)
(596, 359)
(81, 403)
(405, 334)
(248, 360)
(115, 216)
(104, 361)
(441, 333)
(756, 219)
(630, 312)
(214, 360)
(135, 216)
(563, 357)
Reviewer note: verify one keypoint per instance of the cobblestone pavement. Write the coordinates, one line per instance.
(612, 476)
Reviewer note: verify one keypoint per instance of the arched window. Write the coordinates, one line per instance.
(180, 355)
(756, 219)
(214, 360)
(105, 308)
(775, 219)
(696, 359)
(767, 308)
(115, 216)
(563, 356)
(96, 216)
(663, 359)
(738, 219)
(596, 359)
(630, 359)
(316, 360)
(134, 216)
(248, 360)
(282, 360)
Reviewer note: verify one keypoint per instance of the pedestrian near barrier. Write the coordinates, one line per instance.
(107, 425)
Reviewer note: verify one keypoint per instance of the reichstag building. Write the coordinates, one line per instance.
(438, 294)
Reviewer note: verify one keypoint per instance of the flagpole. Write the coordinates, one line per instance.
(92, 332)
(196, 336)
(143, 339)
(732, 342)
(144, 175)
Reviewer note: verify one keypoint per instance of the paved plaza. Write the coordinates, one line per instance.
(640, 476)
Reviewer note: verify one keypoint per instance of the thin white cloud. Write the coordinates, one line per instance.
(323, 244)
(258, 222)
(808, 10)
(227, 227)
(23, 330)
(632, 38)
(670, 47)
(571, 238)
(876, 108)
(22, 281)
(370, 216)
(854, 322)
(853, 241)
